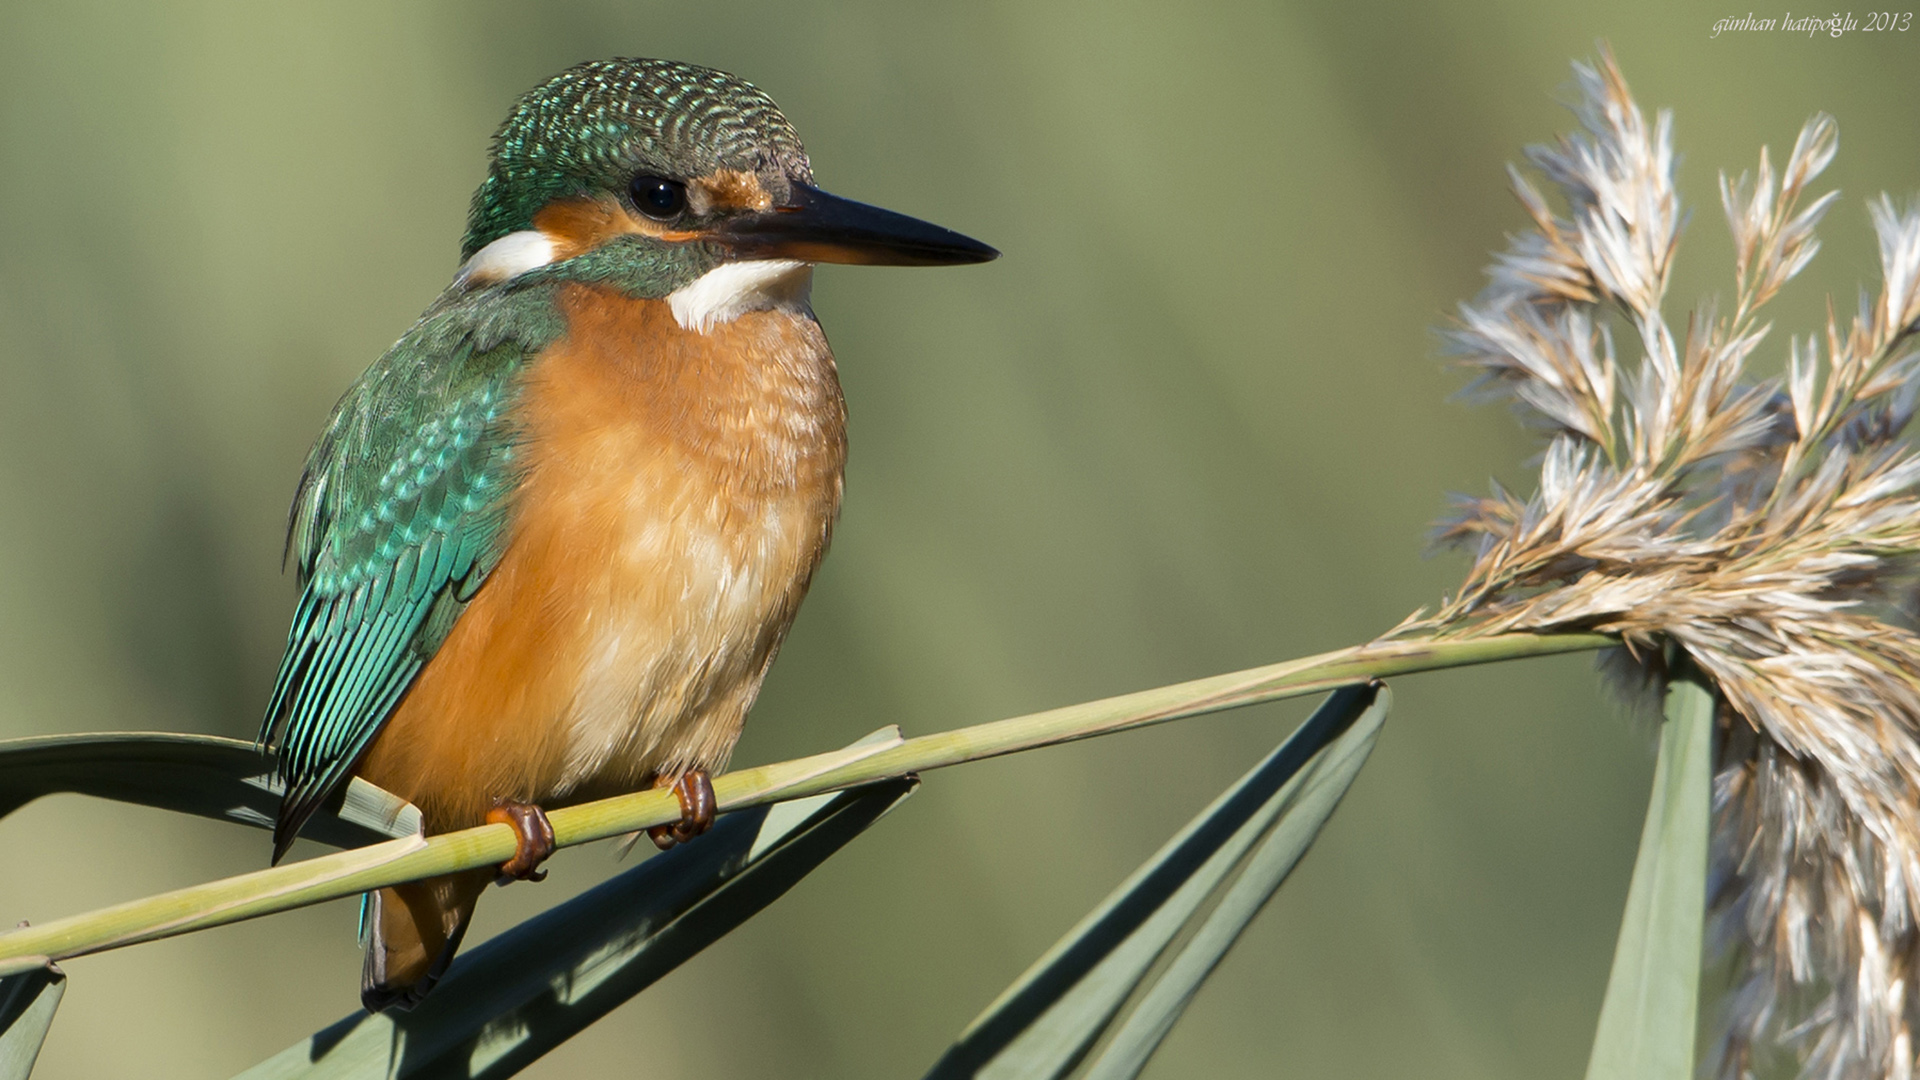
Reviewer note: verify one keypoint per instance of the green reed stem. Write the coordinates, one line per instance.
(345, 873)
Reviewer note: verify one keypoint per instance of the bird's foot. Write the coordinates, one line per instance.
(695, 791)
(534, 836)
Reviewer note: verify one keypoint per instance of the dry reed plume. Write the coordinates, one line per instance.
(1767, 529)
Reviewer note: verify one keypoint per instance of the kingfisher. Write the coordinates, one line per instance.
(550, 542)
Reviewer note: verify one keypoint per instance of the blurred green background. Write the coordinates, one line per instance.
(1191, 422)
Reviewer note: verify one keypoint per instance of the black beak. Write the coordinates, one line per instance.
(813, 226)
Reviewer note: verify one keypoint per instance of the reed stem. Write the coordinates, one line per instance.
(328, 877)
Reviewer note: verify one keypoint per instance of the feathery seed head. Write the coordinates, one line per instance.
(1770, 529)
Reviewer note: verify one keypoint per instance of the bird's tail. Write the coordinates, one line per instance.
(412, 932)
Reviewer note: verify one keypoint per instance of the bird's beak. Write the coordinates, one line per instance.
(813, 226)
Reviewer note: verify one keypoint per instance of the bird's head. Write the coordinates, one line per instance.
(657, 173)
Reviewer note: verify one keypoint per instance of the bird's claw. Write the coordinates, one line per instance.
(694, 789)
(533, 835)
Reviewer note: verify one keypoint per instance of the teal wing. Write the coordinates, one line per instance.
(400, 515)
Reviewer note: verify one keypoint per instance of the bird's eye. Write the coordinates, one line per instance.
(658, 197)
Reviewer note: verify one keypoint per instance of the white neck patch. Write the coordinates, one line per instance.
(506, 258)
(730, 290)
(718, 296)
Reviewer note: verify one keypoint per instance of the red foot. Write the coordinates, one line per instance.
(534, 834)
(695, 791)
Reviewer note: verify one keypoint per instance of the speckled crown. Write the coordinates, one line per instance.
(595, 124)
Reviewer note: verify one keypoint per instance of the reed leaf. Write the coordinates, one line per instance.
(205, 775)
(524, 992)
(1125, 974)
(329, 877)
(27, 1004)
(1649, 1018)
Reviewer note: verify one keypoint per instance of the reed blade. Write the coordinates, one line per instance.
(204, 775)
(1648, 1021)
(1108, 992)
(27, 1004)
(506, 1003)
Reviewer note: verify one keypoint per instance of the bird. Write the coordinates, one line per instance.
(550, 542)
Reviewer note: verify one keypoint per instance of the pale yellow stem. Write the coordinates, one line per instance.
(329, 877)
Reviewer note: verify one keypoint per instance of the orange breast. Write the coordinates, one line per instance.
(678, 491)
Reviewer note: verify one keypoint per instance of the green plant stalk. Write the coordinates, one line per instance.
(346, 873)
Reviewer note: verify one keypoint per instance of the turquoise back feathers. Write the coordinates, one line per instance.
(400, 514)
